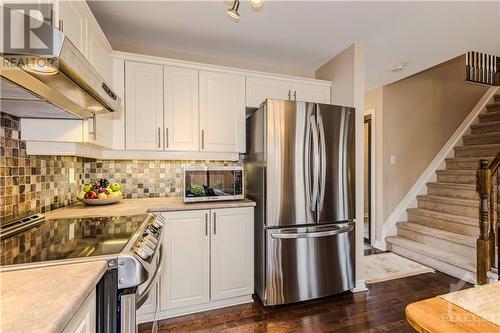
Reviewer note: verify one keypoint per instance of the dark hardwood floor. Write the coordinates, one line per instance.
(381, 309)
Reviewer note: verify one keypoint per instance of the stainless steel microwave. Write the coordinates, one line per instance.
(213, 183)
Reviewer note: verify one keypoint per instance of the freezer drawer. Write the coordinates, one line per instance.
(307, 263)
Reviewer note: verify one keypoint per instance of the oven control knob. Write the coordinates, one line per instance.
(152, 229)
(150, 241)
(143, 251)
(157, 224)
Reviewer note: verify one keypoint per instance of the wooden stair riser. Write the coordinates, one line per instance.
(489, 117)
(457, 164)
(449, 208)
(493, 107)
(485, 128)
(450, 192)
(459, 228)
(438, 243)
(481, 140)
(433, 263)
(471, 151)
(456, 178)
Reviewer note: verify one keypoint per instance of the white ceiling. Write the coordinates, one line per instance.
(306, 34)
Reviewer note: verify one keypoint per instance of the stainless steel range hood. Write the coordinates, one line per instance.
(73, 90)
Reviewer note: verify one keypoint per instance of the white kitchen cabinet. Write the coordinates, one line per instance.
(232, 261)
(143, 106)
(181, 130)
(84, 321)
(222, 111)
(99, 52)
(186, 278)
(73, 20)
(306, 92)
(259, 89)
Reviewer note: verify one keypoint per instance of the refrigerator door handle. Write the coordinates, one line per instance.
(322, 157)
(314, 234)
(315, 171)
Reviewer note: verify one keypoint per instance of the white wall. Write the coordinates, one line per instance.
(347, 72)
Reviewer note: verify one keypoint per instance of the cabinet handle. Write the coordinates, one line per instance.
(295, 95)
(289, 95)
(215, 224)
(159, 138)
(206, 224)
(61, 26)
(202, 139)
(93, 131)
(166, 136)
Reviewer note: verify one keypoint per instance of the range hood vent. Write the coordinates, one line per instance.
(56, 84)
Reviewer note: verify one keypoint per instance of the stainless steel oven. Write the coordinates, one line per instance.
(132, 246)
(213, 183)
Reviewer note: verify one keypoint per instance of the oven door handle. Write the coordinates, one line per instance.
(142, 297)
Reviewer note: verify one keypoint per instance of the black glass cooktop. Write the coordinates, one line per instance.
(69, 238)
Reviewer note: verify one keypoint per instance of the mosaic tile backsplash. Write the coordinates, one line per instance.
(32, 184)
(35, 184)
(143, 178)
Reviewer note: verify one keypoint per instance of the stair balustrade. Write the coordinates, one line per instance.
(482, 68)
(487, 187)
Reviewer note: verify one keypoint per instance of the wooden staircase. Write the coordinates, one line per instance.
(442, 231)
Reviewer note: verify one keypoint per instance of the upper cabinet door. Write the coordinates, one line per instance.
(306, 92)
(222, 112)
(143, 106)
(73, 16)
(259, 89)
(99, 52)
(181, 109)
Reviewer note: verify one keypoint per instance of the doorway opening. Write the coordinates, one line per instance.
(368, 179)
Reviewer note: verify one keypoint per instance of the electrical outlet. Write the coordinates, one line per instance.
(393, 159)
(71, 175)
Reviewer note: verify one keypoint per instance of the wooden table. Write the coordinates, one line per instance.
(436, 315)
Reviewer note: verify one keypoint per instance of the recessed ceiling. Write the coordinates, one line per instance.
(306, 34)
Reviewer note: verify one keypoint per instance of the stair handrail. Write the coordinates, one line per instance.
(487, 187)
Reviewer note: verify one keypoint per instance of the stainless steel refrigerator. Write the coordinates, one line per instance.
(300, 171)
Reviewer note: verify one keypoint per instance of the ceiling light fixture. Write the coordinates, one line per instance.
(398, 67)
(256, 4)
(232, 12)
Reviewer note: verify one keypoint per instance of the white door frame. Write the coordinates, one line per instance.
(373, 176)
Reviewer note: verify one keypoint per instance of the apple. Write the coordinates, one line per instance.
(81, 194)
(102, 195)
(115, 187)
(87, 187)
(111, 195)
(118, 194)
(90, 195)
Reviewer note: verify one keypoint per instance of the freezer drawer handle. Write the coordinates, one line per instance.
(312, 234)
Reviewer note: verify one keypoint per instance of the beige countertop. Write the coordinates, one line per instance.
(43, 300)
(141, 206)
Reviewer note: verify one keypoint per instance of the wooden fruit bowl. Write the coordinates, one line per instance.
(100, 202)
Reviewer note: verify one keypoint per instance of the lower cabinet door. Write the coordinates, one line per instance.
(84, 321)
(186, 277)
(232, 253)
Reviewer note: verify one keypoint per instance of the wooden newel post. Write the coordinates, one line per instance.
(493, 220)
(482, 243)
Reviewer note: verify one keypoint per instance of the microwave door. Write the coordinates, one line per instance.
(336, 181)
(289, 179)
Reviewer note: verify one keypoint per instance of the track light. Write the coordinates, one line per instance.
(256, 4)
(232, 12)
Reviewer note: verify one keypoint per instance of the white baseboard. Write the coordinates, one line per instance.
(360, 286)
(429, 174)
(380, 245)
(147, 317)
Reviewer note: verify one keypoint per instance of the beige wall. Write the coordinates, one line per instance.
(347, 73)
(420, 113)
(207, 59)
